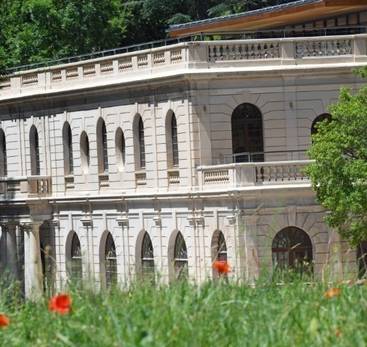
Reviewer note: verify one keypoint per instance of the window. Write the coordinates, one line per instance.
(84, 152)
(141, 143)
(68, 149)
(247, 134)
(102, 146)
(219, 249)
(362, 259)
(171, 140)
(35, 154)
(3, 158)
(120, 149)
(110, 261)
(292, 248)
(76, 268)
(180, 257)
(147, 257)
(318, 119)
(174, 140)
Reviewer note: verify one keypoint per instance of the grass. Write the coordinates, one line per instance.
(213, 314)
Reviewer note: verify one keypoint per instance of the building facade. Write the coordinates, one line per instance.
(156, 163)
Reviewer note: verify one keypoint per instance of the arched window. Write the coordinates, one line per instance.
(102, 146)
(47, 248)
(35, 151)
(317, 120)
(141, 143)
(247, 134)
(174, 140)
(110, 261)
(3, 157)
(84, 152)
(120, 149)
(68, 149)
(180, 257)
(219, 249)
(362, 259)
(147, 257)
(171, 140)
(75, 267)
(292, 248)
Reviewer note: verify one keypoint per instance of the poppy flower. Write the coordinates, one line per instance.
(4, 321)
(221, 266)
(332, 292)
(60, 304)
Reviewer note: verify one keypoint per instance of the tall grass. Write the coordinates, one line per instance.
(213, 314)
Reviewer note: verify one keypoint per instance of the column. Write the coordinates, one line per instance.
(33, 263)
(11, 251)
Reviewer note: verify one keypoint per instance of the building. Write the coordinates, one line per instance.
(156, 162)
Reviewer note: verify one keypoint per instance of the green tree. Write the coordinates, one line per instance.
(339, 174)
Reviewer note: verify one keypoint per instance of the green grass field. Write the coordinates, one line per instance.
(214, 314)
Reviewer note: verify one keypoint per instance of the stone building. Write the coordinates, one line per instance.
(156, 162)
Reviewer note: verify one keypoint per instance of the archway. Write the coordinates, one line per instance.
(292, 248)
(247, 134)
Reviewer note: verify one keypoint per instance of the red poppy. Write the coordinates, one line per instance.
(60, 304)
(4, 321)
(332, 292)
(221, 266)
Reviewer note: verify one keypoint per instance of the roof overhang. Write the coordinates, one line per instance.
(270, 17)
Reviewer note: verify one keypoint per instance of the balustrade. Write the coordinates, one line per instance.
(39, 186)
(204, 54)
(250, 174)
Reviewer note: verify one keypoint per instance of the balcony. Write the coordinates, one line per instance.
(25, 187)
(250, 174)
(194, 56)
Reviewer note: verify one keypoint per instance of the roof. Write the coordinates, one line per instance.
(270, 17)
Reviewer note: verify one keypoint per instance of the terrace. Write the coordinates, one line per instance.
(197, 54)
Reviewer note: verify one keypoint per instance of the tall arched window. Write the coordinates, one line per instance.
(141, 143)
(292, 248)
(180, 258)
(68, 149)
(3, 156)
(219, 249)
(174, 140)
(247, 134)
(171, 140)
(147, 257)
(84, 152)
(75, 266)
(319, 119)
(362, 259)
(35, 151)
(120, 149)
(102, 146)
(110, 261)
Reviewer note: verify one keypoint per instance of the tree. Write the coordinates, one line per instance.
(339, 174)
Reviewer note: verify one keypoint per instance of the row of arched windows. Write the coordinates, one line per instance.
(247, 142)
(291, 248)
(102, 147)
(179, 257)
(120, 147)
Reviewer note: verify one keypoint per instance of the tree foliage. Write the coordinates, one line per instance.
(339, 175)
(38, 30)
